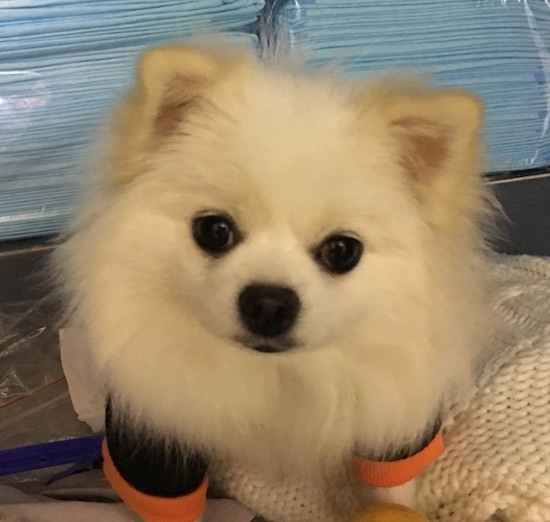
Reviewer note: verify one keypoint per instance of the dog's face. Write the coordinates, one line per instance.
(281, 237)
(272, 287)
(287, 241)
(290, 212)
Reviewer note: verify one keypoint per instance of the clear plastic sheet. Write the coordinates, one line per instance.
(29, 351)
(62, 65)
(499, 49)
(35, 406)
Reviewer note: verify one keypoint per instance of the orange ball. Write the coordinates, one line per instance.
(388, 513)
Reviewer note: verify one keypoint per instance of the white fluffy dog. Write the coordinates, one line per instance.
(277, 266)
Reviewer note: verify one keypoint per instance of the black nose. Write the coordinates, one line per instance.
(268, 310)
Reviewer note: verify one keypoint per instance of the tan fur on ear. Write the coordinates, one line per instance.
(435, 130)
(169, 81)
(437, 134)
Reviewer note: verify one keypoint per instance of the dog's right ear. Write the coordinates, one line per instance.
(170, 80)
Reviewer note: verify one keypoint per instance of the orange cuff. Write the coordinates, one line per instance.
(396, 473)
(155, 509)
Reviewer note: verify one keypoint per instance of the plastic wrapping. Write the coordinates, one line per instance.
(62, 64)
(35, 406)
(499, 49)
(29, 351)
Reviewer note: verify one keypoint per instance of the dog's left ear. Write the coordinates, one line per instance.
(437, 138)
(436, 130)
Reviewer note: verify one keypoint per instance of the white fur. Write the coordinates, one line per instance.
(291, 158)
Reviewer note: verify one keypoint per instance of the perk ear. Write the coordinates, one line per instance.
(437, 132)
(169, 81)
(437, 136)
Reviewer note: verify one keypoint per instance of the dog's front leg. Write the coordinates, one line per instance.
(392, 474)
(157, 479)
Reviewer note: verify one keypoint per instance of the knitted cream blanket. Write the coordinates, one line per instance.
(496, 466)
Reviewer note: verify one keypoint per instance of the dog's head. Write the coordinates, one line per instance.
(280, 210)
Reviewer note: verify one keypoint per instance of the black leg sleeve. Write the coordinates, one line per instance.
(396, 453)
(153, 467)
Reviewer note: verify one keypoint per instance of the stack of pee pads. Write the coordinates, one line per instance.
(64, 62)
(62, 65)
(500, 49)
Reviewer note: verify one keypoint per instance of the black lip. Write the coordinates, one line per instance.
(280, 345)
(267, 348)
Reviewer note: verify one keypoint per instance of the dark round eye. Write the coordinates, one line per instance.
(339, 254)
(215, 234)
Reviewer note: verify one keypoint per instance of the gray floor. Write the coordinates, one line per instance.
(526, 203)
